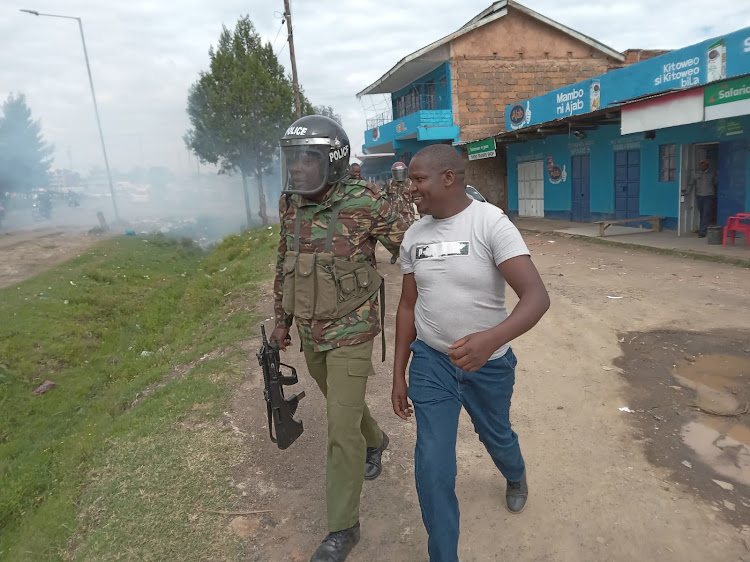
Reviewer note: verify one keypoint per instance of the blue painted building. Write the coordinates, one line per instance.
(421, 113)
(624, 144)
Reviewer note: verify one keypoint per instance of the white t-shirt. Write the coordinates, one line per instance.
(454, 262)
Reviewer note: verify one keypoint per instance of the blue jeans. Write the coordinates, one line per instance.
(706, 211)
(438, 389)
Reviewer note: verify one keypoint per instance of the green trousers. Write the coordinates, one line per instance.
(342, 375)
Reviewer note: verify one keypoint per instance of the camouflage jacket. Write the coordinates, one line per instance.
(400, 199)
(364, 218)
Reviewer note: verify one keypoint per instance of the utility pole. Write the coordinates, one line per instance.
(290, 37)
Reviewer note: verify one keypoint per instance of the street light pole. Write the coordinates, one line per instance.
(93, 96)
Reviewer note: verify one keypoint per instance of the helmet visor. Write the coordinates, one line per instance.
(400, 173)
(304, 167)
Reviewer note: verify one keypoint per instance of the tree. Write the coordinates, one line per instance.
(327, 111)
(240, 108)
(25, 157)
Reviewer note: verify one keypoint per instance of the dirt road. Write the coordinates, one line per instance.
(605, 484)
(25, 253)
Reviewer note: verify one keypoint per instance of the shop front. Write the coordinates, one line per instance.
(586, 153)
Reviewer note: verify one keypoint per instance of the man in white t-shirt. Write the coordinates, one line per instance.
(456, 261)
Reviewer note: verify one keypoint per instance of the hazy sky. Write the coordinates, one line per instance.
(145, 54)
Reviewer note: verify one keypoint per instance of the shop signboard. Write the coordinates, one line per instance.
(481, 149)
(728, 98)
(713, 60)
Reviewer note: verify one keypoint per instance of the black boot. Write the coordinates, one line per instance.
(373, 466)
(516, 495)
(393, 259)
(337, 546)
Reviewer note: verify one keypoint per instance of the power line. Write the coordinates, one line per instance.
(281, 49)
(277, 33)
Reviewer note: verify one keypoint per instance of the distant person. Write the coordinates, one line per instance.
(703, 184)
(398, 194)
(457, 329)
(355, 173)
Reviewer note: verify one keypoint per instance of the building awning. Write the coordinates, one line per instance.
(576, 125)
(659, 112)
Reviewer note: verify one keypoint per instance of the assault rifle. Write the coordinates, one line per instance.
(280, 410)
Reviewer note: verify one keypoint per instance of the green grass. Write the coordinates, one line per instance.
(85, 474)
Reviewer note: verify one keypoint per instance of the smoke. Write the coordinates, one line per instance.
(204, 205)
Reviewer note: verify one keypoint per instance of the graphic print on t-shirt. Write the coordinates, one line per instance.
(441, 249)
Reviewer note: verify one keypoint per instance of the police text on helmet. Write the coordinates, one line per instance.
(339, 154)
(298, 131)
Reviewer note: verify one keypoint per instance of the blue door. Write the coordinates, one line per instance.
(580, 189)
(627, 184)
(730, 192)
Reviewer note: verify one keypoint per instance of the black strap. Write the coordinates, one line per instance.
(297, 223)
(382, 320)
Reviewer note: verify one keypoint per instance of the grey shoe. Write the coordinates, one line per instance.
(516, 494)
(373, 466)
(337, 546)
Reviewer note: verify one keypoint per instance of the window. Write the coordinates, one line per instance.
(430, 101)
(667, 162)
(408, 103)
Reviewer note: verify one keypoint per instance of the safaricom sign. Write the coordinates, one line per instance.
(569, 102)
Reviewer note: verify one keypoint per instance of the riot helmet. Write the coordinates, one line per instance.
(399, 171)
(314, 155)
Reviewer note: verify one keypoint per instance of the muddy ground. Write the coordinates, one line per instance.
(605, 484)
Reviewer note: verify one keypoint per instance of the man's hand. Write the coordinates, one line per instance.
(472, 352)
(401, 405)
(281, 336)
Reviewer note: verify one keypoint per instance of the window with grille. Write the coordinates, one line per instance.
(430, 101)
(667, 162)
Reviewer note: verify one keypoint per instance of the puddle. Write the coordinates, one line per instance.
(688, 392)
(719, 438)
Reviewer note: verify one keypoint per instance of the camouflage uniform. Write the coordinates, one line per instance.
(398, 194)
(338, 352)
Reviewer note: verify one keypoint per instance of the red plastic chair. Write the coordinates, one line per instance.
(735, 225)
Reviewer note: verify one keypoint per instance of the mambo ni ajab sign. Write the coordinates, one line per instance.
(481, 149)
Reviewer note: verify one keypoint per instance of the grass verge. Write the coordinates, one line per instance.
(84, 473)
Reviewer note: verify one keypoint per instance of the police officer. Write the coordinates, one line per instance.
(330, 225)
(398, 194)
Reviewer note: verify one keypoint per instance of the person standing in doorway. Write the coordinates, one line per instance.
(325, 281)
(703, 184)
(456, 327)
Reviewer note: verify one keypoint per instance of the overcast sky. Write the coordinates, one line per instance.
(146, 53)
